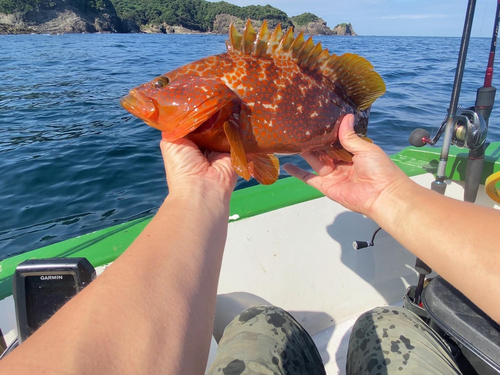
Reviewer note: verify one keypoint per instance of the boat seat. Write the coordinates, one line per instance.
(477, 335)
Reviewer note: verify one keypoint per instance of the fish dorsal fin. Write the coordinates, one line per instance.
(351, 73)
(356, 77)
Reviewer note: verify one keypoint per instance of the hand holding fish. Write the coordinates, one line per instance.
(188, 169)
(358, 184)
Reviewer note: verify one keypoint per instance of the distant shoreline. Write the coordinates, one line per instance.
(145, 16)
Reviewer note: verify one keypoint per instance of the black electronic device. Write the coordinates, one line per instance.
(42, 286)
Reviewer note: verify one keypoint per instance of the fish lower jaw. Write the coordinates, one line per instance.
(145, 109)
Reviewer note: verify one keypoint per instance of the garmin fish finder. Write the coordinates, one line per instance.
(42, 286)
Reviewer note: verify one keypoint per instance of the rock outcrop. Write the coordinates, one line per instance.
(317, 27)
(61, 17)
(223, 21)
(344, 29)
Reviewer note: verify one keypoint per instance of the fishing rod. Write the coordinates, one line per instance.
(485, 98)
(465, 129)
(421, 137)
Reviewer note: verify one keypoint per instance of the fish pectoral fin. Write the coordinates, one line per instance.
(238, 156)
(265, 168)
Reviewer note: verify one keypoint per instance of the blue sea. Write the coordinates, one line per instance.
(72, 161)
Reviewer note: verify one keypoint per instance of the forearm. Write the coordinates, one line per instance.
(449, 236)
(151, 311)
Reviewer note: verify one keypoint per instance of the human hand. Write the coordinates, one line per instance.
(358, 184)
(188, 170)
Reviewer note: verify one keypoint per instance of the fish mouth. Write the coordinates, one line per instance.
(140, 105)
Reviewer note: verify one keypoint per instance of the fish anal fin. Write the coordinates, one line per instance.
(238, 157)
(265, 168)
(337, 152)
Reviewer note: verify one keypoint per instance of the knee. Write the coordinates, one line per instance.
(255, 311)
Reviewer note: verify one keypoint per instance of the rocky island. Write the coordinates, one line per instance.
(148, 16)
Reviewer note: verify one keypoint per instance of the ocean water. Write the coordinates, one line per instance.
(72, 161)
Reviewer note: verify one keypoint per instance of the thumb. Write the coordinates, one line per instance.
(349, 139)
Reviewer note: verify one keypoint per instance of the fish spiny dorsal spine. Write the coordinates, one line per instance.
(261, 40)
(351, 73)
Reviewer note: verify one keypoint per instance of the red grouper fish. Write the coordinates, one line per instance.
(269, 93)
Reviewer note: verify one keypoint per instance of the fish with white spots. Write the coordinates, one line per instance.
(270, 93)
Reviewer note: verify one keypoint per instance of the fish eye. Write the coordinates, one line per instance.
(161, 82)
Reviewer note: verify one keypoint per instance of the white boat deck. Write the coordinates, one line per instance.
(301, 259)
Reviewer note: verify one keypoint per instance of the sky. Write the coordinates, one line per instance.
(393, 17)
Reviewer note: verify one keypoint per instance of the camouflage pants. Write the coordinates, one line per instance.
(390, 340)
(266, 340)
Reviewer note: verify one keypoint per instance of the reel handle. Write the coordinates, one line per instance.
(419, 137)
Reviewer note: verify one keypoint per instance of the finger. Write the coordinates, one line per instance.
(317, 164)
(222, 162)
(349, 139)
(174, 149)
(218, 157)
(309, 178)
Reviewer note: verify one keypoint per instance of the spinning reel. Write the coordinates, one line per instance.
(469, 131)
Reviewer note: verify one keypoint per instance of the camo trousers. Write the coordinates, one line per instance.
(266, 340)
(393, 340)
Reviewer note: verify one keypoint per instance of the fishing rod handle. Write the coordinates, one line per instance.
(485, 99)
(473, 172)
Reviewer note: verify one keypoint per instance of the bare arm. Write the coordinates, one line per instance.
(429, 225)
(152, 310)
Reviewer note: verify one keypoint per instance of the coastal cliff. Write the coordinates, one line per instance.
(60, 16)
(148, 16)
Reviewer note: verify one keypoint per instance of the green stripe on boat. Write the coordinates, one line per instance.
(104, 246)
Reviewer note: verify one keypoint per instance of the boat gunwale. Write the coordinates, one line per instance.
(104, 246)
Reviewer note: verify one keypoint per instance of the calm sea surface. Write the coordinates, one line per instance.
(73, 161)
